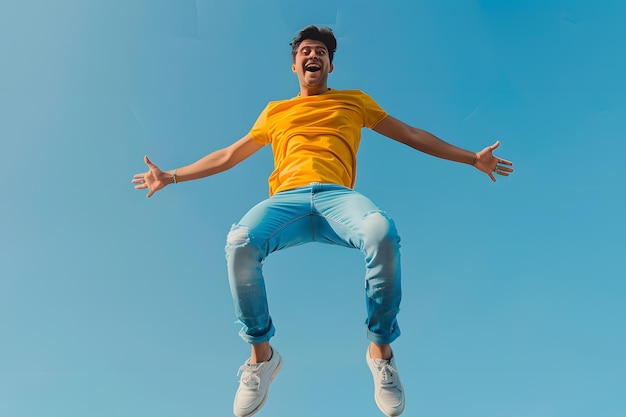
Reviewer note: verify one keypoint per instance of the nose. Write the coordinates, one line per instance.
(313, 59)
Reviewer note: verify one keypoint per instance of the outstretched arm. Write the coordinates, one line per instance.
(213, 163)
(426, 142)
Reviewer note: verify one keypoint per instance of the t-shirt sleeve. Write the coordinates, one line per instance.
(372, 112)
(259, 130)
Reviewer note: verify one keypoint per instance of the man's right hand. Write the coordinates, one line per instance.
(153, 180)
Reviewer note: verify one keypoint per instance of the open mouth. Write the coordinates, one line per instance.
(312, 68)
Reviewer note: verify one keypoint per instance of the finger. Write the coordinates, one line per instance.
(492, 177)
(138, 180)
(149, 194)
(504, 161)
(148, 161)
(495, 145)
(502, 169)
(140, 186)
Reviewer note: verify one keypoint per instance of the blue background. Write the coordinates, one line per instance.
(113, 305)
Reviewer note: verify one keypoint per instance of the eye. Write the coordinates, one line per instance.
(321, 52)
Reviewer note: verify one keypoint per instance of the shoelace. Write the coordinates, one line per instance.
(386, 372)
(250, 375)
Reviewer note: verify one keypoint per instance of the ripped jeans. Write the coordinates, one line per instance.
(323, 213)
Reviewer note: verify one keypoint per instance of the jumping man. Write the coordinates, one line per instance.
(314, 139)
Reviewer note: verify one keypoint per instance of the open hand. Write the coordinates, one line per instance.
(490, 164)
(153, 180)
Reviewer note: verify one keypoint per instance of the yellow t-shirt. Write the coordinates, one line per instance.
(316, 138)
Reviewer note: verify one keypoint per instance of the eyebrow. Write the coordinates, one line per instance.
(315, 46)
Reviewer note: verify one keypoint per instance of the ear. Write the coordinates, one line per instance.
(332, 67)
(293, 68)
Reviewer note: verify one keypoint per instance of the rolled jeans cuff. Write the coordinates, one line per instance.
(258, 339)
(383, 339)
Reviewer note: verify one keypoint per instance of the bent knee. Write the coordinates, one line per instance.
(379, 227)
(238, 237)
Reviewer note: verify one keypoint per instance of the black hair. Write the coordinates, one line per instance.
(322, 33)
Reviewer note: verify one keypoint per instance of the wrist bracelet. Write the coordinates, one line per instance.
(174, 177)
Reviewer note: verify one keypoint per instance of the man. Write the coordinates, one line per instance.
(314, 139)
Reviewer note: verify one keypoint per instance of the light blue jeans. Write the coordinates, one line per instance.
(323, 213)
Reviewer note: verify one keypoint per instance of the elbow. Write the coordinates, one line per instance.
(226, 159)
(412, 137)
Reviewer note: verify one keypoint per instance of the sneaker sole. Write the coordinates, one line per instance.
(394, 414)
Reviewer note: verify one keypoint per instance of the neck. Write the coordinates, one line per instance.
(306, 91)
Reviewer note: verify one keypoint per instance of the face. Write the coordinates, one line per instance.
(312, 64)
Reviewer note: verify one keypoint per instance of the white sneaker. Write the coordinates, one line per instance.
(254, 385)
(388, 390)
